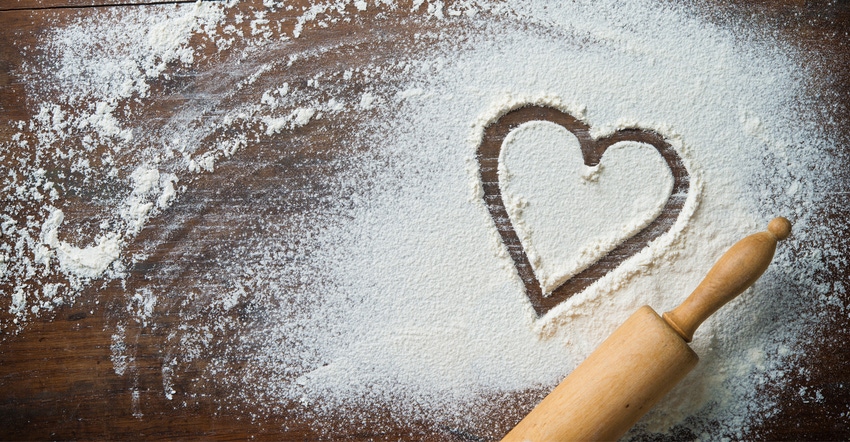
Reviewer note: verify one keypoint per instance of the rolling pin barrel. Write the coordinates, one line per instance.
(610, 391)
(646, 356)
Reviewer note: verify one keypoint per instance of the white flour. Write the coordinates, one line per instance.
(412, 304)
(569, 215)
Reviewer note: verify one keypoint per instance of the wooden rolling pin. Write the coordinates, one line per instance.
(644, 358)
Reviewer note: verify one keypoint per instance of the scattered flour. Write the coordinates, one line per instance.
(89, 262)
(399, 295)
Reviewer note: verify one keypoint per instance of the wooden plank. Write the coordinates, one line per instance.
(34, 5)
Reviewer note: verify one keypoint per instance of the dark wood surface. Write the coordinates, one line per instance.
(34, 5)
(56, 377)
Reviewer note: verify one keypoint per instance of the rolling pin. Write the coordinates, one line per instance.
(646, 356)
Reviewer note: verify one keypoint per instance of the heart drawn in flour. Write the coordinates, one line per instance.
(548, 286)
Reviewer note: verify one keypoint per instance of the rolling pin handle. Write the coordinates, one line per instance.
(779, 227)
(733, 273)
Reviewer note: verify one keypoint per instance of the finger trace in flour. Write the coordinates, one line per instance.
(572, 263)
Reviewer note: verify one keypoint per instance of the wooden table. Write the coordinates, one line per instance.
(57, 380)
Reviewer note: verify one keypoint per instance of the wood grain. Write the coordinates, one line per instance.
(36, 5)
(57, 380)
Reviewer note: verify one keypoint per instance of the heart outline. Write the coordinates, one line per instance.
(592, 150)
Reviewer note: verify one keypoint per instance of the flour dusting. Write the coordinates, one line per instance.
(370, 278)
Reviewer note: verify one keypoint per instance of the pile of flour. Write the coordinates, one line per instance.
(413, 305)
